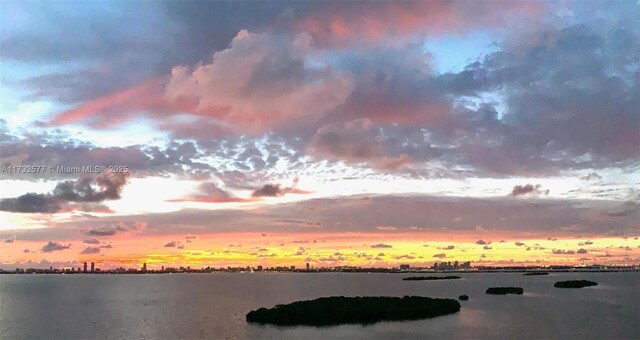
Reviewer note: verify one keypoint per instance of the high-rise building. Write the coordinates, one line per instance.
(93, 267)
(308, 267)
(144, 267)
(85, 266)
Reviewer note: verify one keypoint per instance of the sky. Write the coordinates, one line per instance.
(329, 133)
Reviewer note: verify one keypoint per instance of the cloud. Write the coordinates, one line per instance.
(532, 70)
(354, 214)
(91, 250)
(103, 187)
(380, 23)
(581, 251)
(177, 157)
(529, 189)
(268, 190)
(628, 208)
(174, 244)
(358, 142)
(447, 247)
(481, 242)
(271, 88)
(31, 203)
(381, 245)
(591, 176)
(519, 244)
(116, 228)
(440, 255)
(91, 241)
(275, 190)
(562, 252)
(404, 257)
(210, 193)
(54, 246)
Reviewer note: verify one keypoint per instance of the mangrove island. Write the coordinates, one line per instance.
(505, 290)
(575, 284)
(338, 310)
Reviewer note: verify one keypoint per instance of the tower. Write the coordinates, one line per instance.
(92, 267)
(85, 266)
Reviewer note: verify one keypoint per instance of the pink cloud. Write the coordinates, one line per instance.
(340, 24)
(260, 82)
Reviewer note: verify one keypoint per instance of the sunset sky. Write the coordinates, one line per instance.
(334, 133)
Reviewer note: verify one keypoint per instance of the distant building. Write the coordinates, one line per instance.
(308, 267)
(93, 267)
(144, 267)
(85, 266)
(259, 268)
(404, 267)
(293, 267)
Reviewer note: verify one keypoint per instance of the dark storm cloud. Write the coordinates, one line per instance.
(85, 190)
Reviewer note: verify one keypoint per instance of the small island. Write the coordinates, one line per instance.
(575, 284)
(338, 310)
(463, 297)
(505, 290)
(535, 273)
(430, 278)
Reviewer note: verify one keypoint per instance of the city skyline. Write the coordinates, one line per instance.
(368, 134)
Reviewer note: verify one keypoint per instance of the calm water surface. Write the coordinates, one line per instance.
(213, 306)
